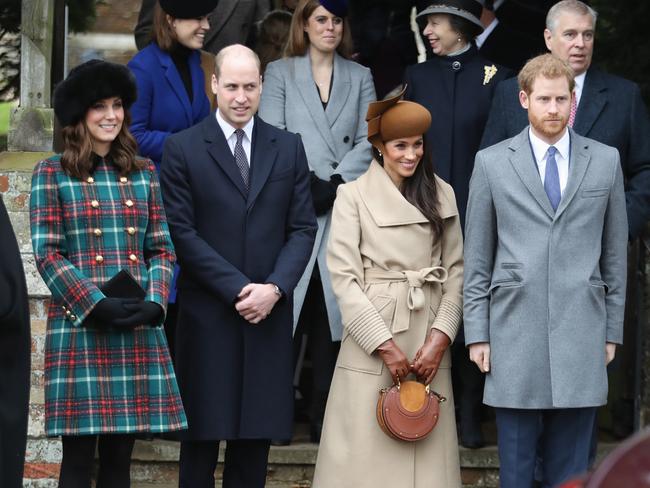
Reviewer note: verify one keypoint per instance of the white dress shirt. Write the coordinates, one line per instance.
(540, 150)
(580, 84)
(231, 137)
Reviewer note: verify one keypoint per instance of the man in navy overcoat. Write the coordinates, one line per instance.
(609, 109)
(243, 234)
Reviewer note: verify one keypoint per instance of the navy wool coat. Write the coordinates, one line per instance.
(611, 111)
(14, 357)
(236, 378)
(163, 106)
(458, 93)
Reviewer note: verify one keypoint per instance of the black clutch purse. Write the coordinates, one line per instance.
(123, 285)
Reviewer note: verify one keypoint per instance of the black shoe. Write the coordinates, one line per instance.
(471, 435)
(280, 442)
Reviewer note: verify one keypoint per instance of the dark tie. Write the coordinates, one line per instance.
(552, 179)
(240, 157)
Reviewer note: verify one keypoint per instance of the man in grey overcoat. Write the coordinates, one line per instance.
(544, 293)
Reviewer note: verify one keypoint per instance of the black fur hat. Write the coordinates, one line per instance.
(184, 9)
(89, 82)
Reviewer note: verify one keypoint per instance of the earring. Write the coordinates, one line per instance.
(380, 154)
(459, 39)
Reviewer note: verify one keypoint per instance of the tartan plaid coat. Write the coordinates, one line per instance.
(99, 380)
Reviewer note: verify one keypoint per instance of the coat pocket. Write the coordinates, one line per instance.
(595, 192)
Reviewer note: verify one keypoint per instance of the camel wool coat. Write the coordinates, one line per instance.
(393, 279)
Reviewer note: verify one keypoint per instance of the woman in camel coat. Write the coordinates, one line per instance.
(396, 270)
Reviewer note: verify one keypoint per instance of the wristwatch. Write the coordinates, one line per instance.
(277, 290)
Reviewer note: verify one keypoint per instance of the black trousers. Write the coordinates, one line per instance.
(114, 461)
(244, 464)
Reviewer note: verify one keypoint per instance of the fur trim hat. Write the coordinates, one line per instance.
(89, 82)
(184, 9)
(393, 118)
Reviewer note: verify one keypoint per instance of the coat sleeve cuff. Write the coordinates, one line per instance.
(369, 330)
(448, 318)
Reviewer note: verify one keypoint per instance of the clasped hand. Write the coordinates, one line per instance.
(426, 362)
(126, 313)
(255, 301)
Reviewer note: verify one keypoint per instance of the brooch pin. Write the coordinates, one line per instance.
(490, 71)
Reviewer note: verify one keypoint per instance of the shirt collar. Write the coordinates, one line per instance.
(229, 130)
(580, 81)
(540, 147)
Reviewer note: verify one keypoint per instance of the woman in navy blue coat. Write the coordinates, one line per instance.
(456, 85)
(171, 83)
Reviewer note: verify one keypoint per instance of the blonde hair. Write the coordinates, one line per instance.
(547, 66)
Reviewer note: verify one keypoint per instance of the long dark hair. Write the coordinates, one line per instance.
(77, 157)
(420, 190)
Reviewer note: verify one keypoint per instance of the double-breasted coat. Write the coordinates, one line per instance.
(335, 141)
(393, 279)
(458, 91)
(236, 378)
(14, 357)
(545, 288)
(99, 380)
(163, 106)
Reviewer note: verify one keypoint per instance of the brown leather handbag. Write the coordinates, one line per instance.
(408, 411)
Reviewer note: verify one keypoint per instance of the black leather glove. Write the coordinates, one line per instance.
(323, 194)
(108, 310)
(142, 313)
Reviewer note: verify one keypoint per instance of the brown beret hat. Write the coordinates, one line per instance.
(393, 118)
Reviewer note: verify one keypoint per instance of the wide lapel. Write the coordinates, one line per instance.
(174, 80)
(264, 153)
(309, 93)
(218, 18)
(220, 152)
(384, 202)
(578, 163)
(592, 102)
(340, 89)
(523, 162)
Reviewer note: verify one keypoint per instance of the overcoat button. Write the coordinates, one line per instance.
(68, 313)
(346, 139)
(99, 258)
(129, 203)
(455, 65)
(131, 230)
(90, 179)
(123, 179)
(73, 317)
(97, 232)
(94, 204)
(133, 257)
(335, 165)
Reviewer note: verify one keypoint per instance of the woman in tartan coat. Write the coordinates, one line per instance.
(95, 210)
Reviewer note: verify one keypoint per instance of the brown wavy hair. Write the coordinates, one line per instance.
(299, 40)
(421, 190)
(77, 157)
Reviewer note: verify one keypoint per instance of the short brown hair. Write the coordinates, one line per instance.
(162, 32)
(299, 41)
(547, 66)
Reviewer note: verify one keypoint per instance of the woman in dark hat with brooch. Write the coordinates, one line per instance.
(316, 91)
(395, 256)
(457, 85)
(96, 213)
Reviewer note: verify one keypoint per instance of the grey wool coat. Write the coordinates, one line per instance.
(546, 289)
(335, 141)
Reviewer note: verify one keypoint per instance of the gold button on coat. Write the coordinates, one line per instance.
(90, 179)
(133, 257)
(129, 203)
(94, 203)
(68, 313)
(123, 179)
(130, 230)
(73, 317)
(99, 258)
(97, 232)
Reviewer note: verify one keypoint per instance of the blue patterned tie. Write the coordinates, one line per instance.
(240, 157)
(552, 179)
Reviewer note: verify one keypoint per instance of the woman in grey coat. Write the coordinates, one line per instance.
(316, 92)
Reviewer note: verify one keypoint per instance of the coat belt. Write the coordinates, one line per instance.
(415, 298)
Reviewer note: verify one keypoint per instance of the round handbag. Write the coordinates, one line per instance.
(408, 411)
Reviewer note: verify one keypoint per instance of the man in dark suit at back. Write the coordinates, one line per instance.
(608, 109)
(238, 201)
